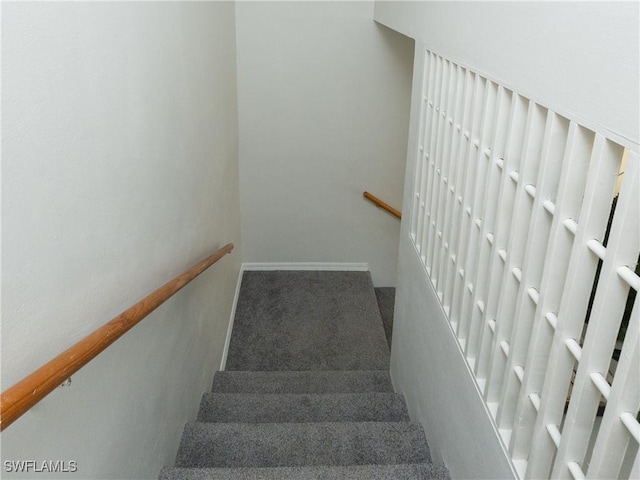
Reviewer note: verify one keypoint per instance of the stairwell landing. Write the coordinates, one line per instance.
(306, 393)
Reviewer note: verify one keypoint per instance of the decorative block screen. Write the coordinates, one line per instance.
(528, 226)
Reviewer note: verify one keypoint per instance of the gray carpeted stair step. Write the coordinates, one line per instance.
(420, 471)
(301, 444)
(302, 408)
(343, 381)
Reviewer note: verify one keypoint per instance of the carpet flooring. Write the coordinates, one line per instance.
(414, 471)
(341, 381)
(307, 320)
(386, 297)
(307, 393)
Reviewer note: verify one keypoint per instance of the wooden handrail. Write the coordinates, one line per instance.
(381, 204)
(19, 398)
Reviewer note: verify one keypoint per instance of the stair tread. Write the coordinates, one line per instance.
(344, 381)
(417, 471)
(271, 408)
(301, 444)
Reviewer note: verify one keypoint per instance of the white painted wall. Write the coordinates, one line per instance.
(578, 58)
(323, 100)
(119, 170)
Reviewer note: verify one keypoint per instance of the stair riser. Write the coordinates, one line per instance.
(275, 445)
(289, 408)
(302, 382)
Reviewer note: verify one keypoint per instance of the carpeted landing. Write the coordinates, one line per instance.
(291, 320)
(307, 393)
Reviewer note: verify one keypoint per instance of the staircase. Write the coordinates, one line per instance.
(266, 419)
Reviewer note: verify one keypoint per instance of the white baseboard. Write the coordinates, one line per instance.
(225, 351)
(324, 266)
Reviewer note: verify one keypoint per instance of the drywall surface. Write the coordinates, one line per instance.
(581, 59)
(323, 100)
(428, 369)
(119, 170)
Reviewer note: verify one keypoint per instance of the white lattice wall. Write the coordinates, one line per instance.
(511, 219)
